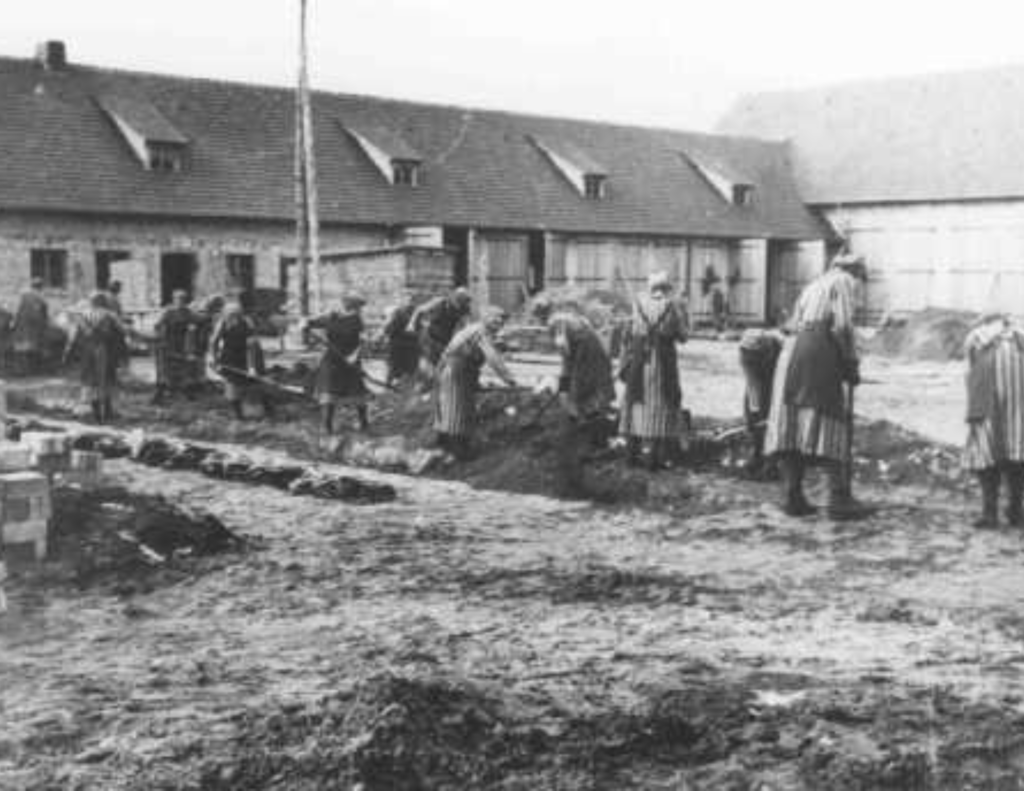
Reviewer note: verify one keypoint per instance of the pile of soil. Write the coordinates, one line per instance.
(930, 334)
(401, 732)
(602, 307)
(885, 452)
(110, 538)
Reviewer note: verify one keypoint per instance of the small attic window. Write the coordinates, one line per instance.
(405, 172)
(594, 186)
(165, 158)
(743, 194)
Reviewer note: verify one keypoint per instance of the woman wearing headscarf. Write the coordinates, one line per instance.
(175, 348)
(808, 422)
(995, 415)
(652, 401)
(587, 392)
(31, 322)
(236, 354)
(99, 344)
(339, 379)
(458, 377)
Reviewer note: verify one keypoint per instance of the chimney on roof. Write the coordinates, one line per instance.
(52, 55)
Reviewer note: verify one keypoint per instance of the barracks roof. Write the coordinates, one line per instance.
(957, 136)
(61, 149)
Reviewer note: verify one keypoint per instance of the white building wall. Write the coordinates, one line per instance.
(965, 256)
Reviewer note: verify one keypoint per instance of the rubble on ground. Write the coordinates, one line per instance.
(930, 334)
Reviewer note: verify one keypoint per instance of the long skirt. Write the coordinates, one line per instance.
(999, 437)
(99, 375)
(801, 429)
(455, 399)
(656, 417)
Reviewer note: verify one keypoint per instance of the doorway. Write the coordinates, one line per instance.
(457, 239)
(177, 273)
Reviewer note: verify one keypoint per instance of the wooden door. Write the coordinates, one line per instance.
(508, 264)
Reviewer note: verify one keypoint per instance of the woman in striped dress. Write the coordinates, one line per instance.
(458, 376)
(98, 342)
(339, 377)
(650, 370)
(807, 422)
(995, 414)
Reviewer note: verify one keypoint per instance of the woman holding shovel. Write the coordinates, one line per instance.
(810, 420)
(236, 355)
(340, 378)
(458, 378)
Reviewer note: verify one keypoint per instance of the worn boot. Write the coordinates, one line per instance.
(989, 480)
(842, 506)
(363, 416)
(97, 411)
(1015, 484)
(792, 467)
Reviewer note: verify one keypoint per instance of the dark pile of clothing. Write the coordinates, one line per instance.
(328, 486)
(238, 467)
(110, 446)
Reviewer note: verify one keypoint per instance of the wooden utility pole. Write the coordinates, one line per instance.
(307, 223)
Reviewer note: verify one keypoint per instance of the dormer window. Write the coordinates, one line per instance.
(588, 177)
(166, 158)
(593, 185)
(405, 172)
(396, 160)
(743, 194)
(734, 187)
(156, 143)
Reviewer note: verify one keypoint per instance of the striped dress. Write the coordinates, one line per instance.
(826, 301)
(458, 378)
(652, 400)
(995, 433)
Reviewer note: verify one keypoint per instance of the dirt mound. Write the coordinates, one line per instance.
(930, 334)
(888, 453)
(113, 538)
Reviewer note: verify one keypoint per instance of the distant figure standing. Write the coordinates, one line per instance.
(653, 398)
(236, 355)
(435, 323)
(995, 415)
(113, 296)
(403, 349)
(206, 313)
(458, 378)
(339, 379)
(175, 353)
(98, 342)
(31, 322)
(587, 392)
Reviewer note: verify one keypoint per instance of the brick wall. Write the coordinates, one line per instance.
(146, 240)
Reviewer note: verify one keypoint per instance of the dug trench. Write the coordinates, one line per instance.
(480, 637)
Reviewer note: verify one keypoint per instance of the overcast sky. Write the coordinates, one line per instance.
(655, 62)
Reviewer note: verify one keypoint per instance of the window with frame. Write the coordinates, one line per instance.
(50, 265)
(405, 172)
(594, 186)
(104, 258)
(742, 194)
(165, 158)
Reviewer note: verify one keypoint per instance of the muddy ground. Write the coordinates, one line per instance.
(464, 637)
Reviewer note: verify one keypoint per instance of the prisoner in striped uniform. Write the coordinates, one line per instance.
(759, 355)
(99, 344)
(807, 421)
(649, 368)
(587, 392)
(458, 377)
(340, 377)
(995, 414)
